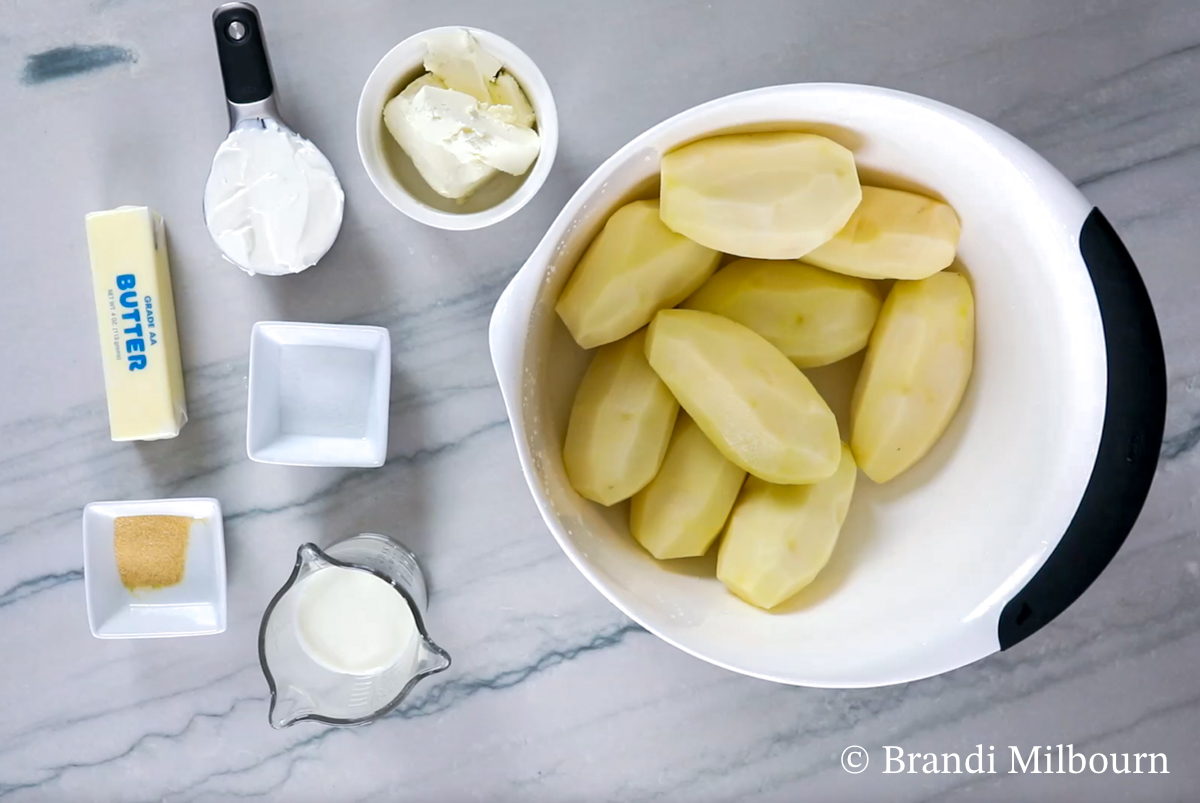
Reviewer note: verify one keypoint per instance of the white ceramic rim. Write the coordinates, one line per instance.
(407, 57)
(508, 339)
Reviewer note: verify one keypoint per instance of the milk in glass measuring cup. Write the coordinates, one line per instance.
(343, 642)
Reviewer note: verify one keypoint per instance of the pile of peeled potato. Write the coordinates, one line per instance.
(756, 453)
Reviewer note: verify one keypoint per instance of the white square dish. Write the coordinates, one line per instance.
(193, 607)
(319, 394)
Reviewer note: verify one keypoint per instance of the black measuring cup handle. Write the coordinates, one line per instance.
(245, 68)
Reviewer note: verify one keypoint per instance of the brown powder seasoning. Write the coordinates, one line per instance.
(151, 550)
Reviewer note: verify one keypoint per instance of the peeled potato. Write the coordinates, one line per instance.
(749, 399)
(635, 267)
(685, 506)
(914, 375)
(771, 196)
(813, 316)
(620, 424)
(892, 235)
(780, 536)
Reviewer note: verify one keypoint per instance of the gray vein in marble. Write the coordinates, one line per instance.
(265, 792)
(59, 516)
(403, 400)
(1103, 89)
(1113, 122)
(309, 741)
(57, 771)
(28, 588)
(442, 696)
(400, 403)
(70, 722)
(1086, 181)
(72, 60)
(972, 54)
(474, 305)
(1182, 442)
(357, 477)
(552, 555)
(36, 585)
(437, 698)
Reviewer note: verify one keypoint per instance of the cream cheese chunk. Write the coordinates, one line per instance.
(455, 142)
(456, 58)
(465, 120)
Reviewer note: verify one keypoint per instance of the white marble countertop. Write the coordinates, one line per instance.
(553, 694)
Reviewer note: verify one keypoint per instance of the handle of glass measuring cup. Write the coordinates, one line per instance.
(245, 68)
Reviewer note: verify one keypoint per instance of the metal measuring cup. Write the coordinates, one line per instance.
(250, 93)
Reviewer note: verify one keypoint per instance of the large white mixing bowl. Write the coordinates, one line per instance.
(1016, 510)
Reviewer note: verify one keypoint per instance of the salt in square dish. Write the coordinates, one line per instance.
(319, 394)
(193, 607)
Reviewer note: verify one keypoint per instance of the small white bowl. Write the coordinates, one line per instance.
(194, 607)
(319, 394)
(394, 174)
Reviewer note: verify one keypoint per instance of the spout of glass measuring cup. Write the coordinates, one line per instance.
(288, 706)
(308, 558)
(431, 659)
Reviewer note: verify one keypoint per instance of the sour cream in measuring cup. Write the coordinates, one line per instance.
(273, 203)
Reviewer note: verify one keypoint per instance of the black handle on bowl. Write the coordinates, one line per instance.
(243, 54)
(1129, 441)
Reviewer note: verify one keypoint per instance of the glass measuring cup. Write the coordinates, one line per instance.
(302, 688)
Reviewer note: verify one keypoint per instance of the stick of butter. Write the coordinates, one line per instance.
(135, 309)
